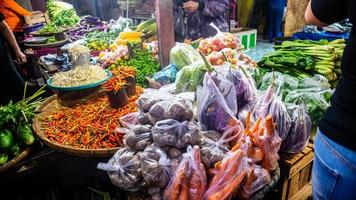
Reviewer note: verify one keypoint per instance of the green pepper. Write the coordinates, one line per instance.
(26, 134)
(6, 139)
(3, 158)
(15, 150)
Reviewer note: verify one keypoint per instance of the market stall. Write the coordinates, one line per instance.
(195, 120)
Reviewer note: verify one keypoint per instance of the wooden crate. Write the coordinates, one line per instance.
(36, 18)
(296, 175)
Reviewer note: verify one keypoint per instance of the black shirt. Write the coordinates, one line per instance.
(339, 120)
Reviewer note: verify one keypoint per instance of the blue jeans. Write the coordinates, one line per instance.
(334, 170)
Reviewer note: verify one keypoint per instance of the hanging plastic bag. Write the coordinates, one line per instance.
(155, 167)
(213, 111)
(124, 169)
(299, 133)
(173, 133)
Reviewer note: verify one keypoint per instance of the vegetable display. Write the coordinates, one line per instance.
(305, 58)
(89, 126)
(87, 24)
(15, 125)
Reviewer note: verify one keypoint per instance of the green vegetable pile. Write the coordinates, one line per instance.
(305, 58)
(144, 62)
(62, 18)
(15, 125)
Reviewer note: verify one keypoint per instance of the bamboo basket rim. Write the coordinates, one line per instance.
(65, 148)
(15, 160)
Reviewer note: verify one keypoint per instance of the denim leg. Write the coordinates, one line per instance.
(334, 170)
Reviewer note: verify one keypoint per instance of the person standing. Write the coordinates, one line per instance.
(334, 167)
(275, 17)
(14, 17)
(11, 83)
(203, 12)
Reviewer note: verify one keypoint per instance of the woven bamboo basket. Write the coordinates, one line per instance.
(52, 104)
(15, 160)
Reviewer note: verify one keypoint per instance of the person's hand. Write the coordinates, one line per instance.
(191, 6)
(20, 57)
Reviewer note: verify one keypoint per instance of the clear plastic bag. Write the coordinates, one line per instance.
(189, 181)
(183, 54)
(299, 133)
(124, 169)
(213, 111)
(150, 97)
(269, 104)
(179, 109)
(269, 144)
(129, 120)
(256, 179)
(190, 77)
(155, 167)
(229, 177)
(139, 137)
(173, 133)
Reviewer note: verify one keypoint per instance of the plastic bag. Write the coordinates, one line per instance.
(299, 133)
(229, 177)
(189, 181)
(269, 144)
(173, 133)
(183, 54)
(179, 109)
(155, 167)
(150, 97)
(213, 111)
(219, 42)
(256, 179)
(245, 88)
(124, 169)
(129, 120)
(283, 83)
(214, 149)
(166, 76)
(139, 137)
(317, 81)
(190, 77)
(227, 89)
(269, 103)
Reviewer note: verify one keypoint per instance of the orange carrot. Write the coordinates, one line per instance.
(269, 125)
(184, 188)
(248, 118)
(257, 125)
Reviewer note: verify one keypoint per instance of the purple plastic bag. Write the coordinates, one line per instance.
(213, 111)
(299, 132)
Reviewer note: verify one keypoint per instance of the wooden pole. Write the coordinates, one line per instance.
(164, 15)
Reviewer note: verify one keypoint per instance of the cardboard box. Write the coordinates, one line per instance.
(247, 36)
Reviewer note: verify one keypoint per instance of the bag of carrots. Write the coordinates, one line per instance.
(189, 181)
(228, 178)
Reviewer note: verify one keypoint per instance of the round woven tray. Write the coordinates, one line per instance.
(50, 105)
(48, 45)
(15, 160)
